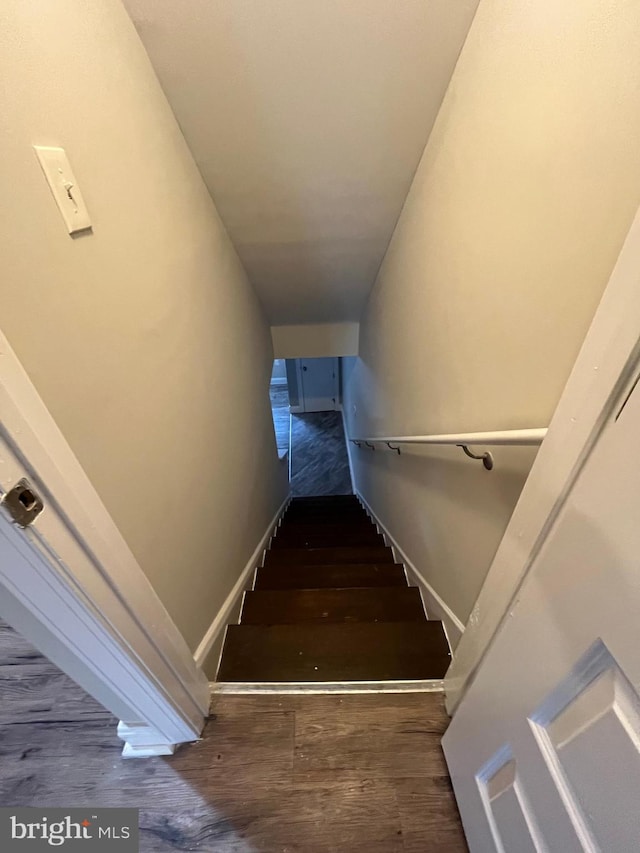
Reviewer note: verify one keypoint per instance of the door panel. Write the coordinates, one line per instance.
(595, 709)
(544, 750)
(508, 812)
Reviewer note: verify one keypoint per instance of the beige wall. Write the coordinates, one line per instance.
(144, 337)
(515, 218)
(318, 340)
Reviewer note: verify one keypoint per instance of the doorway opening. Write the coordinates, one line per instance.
(319, 464)
(42, 708)
(279, 396)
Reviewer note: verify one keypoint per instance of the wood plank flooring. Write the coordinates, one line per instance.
(319, 461)
(302, 774)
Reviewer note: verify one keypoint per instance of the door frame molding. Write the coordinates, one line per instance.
(72, 586)
(299, 408)
(602, 376)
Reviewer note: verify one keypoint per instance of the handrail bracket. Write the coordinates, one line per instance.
(487, 458)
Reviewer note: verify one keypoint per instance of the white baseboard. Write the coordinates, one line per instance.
(231, 603)
(348, 443)
(142, 741)
(436, 608)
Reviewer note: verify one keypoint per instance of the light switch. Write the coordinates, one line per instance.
(64, 187)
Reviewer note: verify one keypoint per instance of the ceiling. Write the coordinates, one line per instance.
(307, 119)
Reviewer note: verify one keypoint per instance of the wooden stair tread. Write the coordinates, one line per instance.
(333, 526)
(284, 607)
(350, 539)
(326, 556)
(303, 519)
(365, 651)
(313, 500)
(294, 509)
(309, 508)
(331, 605)
(318, 576)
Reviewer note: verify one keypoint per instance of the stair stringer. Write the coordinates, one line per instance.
(434, 606)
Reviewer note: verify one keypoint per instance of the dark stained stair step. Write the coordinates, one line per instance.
(330, 605)
(347, 576)
(365, 651)
(284, 607)
(355, 511)
(321, 518)
(349, 506)
(330, 502)
(359, 524)
(327, 556)
(325, 500)
(334, 539)
(339, 525)
(311, 506)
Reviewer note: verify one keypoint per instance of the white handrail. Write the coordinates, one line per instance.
(461, 439)
(495, 437)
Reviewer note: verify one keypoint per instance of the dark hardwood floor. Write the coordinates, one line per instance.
(303, 774)
(319, 461)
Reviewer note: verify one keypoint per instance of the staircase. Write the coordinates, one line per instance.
(330, 605)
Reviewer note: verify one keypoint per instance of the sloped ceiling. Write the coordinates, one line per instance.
(307, 119)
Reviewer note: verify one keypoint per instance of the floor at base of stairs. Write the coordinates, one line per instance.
(319, 461)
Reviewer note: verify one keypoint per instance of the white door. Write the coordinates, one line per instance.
(544, 749)
(319, 384)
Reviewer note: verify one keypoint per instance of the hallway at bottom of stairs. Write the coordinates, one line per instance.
(330, 605)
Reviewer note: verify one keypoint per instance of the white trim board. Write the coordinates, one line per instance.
(434, 605)
(296, 688)
(290, 456)
(216, 630)
(348, 445)
(72, 586)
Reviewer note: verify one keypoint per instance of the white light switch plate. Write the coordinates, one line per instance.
(64, 187)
